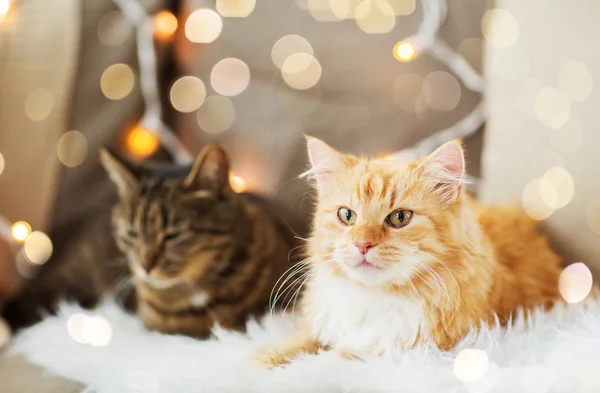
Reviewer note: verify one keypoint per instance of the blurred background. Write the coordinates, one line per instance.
(158, 79)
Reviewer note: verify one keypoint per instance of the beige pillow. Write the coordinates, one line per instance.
(543, 96)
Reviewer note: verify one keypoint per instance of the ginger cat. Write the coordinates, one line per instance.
(400, 256)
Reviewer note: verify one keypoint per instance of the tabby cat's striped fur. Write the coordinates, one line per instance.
(200, 254)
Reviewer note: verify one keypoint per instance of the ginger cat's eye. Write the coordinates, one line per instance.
(399, 218)
(346, 216)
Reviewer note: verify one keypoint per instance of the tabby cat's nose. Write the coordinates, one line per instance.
(148, 260)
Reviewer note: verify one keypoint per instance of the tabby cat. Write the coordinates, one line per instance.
(401, 256)
(200, 254)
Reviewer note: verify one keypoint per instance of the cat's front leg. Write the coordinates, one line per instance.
(278, 354)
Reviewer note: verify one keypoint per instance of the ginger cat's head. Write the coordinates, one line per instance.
(380, 222)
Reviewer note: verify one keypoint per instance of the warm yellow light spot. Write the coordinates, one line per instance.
(375, 16)
(230, 77)
(500, 28)
(165, 25)
(575, 282)
(557, 187)
(238, 184)
(39, 104)
(235, 8)
(4, 8)
(216, 115)
(301, 71)
(575, 81)
(404, 51)
(72, 149)
(535, 195)
(20, 230)
(141, 143)
(287, 46)
(321, 10)
(471, 364)
(117, 81)
(187, 94)
(203, 26)
(37, 248)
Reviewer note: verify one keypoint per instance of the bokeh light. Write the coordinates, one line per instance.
(203, 26)
(1, 163)
(592, 215)
(72, 149)
(575, 282)
(375, 16)
(569, 138)
(403, 7)
(75, 327)
(96, 331)
(404, 51)
(441, 91)
(552, 107)
(217, 115)
(557, 187)
(117, 81)
(287, 46)
(20, 230)
(93, 330)
(575, 81)
(230, 77)
(140, 142)
(500, 28)
(39, 104)
(301, 71)
(187, 94)
(470, 364)
(238, 184)
(37, 248)
(342, 9)
(114, 29)
(407, 87)
(534, 200)
(235, 8)
(4, 8)
(165, 25)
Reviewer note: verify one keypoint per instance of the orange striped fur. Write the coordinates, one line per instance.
(428, 282)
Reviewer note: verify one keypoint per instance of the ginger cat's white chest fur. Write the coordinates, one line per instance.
(354, 318)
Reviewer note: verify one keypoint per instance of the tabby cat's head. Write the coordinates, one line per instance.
(175, 224)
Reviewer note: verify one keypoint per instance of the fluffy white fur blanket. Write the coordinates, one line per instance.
(557, 351)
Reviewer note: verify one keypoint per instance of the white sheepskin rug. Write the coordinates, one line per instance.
(557, 351)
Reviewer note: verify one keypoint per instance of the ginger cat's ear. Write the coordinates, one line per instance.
(323, 158)
(446, 167)
(210, 171)
(118, 172)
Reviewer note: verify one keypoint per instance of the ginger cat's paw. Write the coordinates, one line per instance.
(269, 357)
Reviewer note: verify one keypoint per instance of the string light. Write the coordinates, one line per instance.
(238, 184)
(165, 25)
(404, 51)
(141, 143)
(20, 230)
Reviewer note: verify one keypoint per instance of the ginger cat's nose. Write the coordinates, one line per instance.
(364, 245)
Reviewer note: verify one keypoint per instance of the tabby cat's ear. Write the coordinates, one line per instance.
(210, 171)
(446, 167)
(118, 172)
(324, 159)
